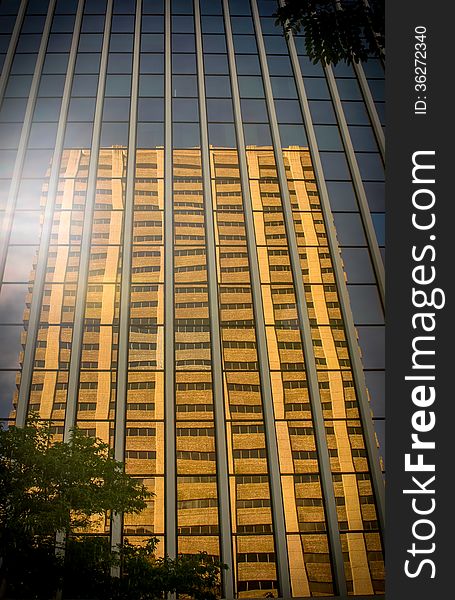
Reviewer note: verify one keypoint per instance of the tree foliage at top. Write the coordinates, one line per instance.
(336, 30)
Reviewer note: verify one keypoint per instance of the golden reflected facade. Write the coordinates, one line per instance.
(196, 465)
(188, 274)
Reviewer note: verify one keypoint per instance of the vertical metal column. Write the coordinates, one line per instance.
(40, 273)
(73, 377)
(302, 310)
(269, 420)
(224, 513)
(5, 231)
(357, 367)
(169, 355)
(371, 108)
(364, 209)
(122, 361)
(12, 48)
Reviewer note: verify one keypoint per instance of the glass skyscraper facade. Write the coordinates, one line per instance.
(191, 269)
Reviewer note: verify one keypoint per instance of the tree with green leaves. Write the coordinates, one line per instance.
(336, 30)
(49, 487)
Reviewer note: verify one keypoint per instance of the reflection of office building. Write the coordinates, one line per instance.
(188, 302)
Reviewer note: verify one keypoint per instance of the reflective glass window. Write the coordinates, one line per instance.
(185, 109)
(120, 63)
(220, 110)
(283, 87)
(365, 304)
(88, 63)
(248, 64)
(342, 196)
(214, 43)
(216, 64)
(152, 63)
(357, 265)
(184, 63)
(251, 87)
(217, 86)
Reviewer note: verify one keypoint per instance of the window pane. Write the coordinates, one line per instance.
(248, 64)
(185, 110)
(114, 134)
(151, 85)
(375, 381)
(366, 305)
(116, 109)
(152, 63)
(288, 111)
(216, 64)
(214, 43)
(118, 85)
(363, 139)
(78, 135)
(254, 111)
(322, 112)
(120, 63)
(371, 341)
(85, 85)
(342, 196)
(150, 109)
(316, 89)
(13, 109)
(81, 109)
(242, 25)
(121, 42)
(335, 166)
(186, 135)
(51, 85)
(217, 87)
(375, 192)
(152, 42)
(87, 63)
(183, 43)
(293, 135)
(55, 63)
(220, 110)
(184, 85)
(328, 137)
(357, 265)
(245, 44)
(10, 342)
(150, 135)
(257, 135)
(184, 63)
(371, 167)
(349, 229)
(222, 135)
(251, 87)
(152, 24)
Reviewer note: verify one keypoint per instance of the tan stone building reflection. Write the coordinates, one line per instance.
(197, 515)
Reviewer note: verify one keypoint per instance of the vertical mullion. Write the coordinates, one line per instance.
(217, 376)
(40, 273)
(11, 49)
(169, 355)
(371, 108)
(357, 368)
(302, 310)
(122, 363)
(5, 231)
(370, 233)
(269, 421)
(73, 377)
